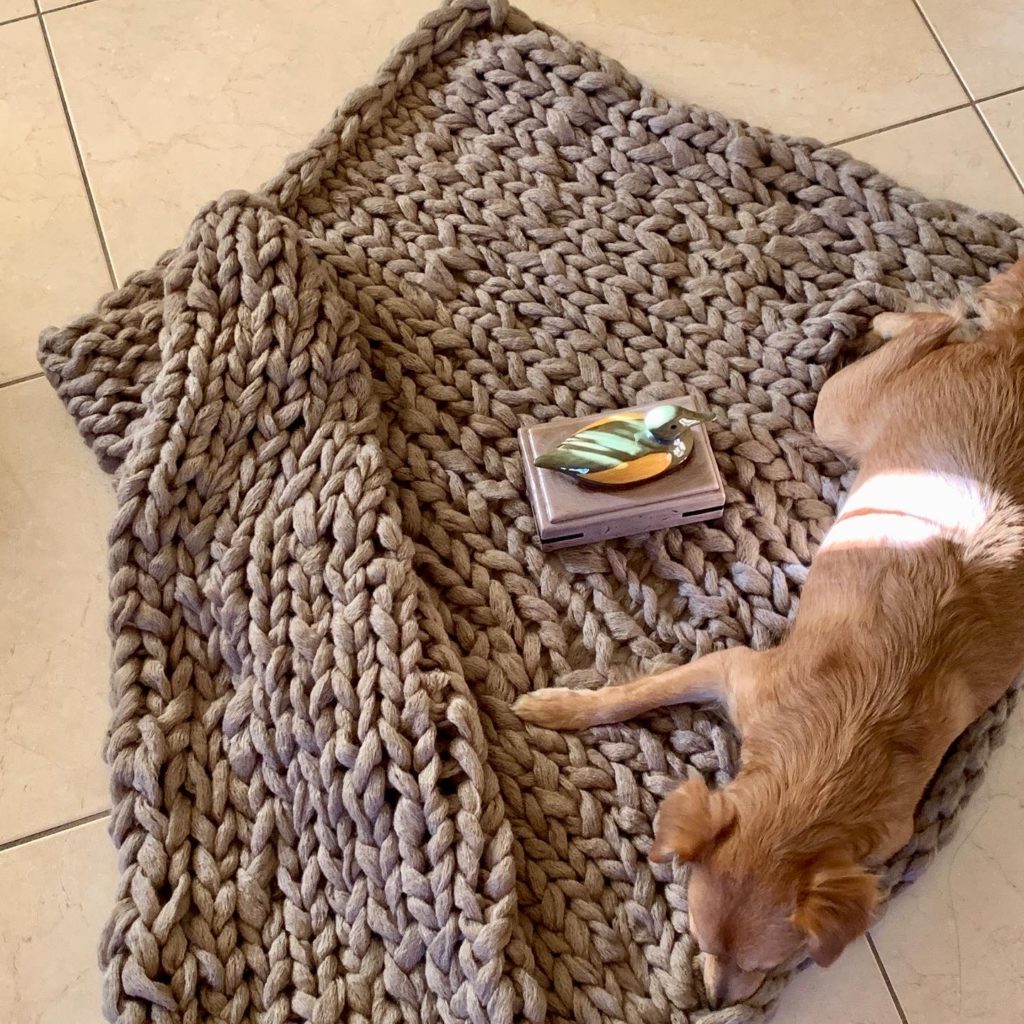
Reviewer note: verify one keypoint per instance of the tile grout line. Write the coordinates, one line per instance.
(901, 124)
(999, 146)
(885, 977)
(77, 148)
(20, 380)
(977, 102)
(973, 100)
(65, 7)
(88, 819)
(20, 17)
(942, 49)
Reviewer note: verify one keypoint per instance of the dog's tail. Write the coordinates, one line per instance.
(1001, 301)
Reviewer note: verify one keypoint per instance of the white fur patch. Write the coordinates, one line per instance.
(904, 509)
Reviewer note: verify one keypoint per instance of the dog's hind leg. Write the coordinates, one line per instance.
(708, 679)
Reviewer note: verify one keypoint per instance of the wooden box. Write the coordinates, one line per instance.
(568, 514)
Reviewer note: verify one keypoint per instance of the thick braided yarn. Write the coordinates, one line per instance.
(325, 586)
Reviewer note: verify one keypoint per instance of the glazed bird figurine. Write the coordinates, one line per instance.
(626, 448)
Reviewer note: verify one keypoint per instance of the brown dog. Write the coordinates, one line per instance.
(909, 627)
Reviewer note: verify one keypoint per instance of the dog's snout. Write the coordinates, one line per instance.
(719, 995)
(716, 980)
(725, 983)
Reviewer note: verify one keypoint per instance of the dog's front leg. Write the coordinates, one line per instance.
(708, 679)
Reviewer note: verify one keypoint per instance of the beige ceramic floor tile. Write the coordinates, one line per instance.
(851, 991)
(1005, 117)
(57, 893)
(809, 67)
(51, 265)
(985, 38)
(946, 157)
(55, 508)
(176, 103)
(953, 944)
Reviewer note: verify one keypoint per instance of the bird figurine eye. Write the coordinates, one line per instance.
(626, 448)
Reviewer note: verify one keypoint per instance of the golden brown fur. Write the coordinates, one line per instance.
(908, 628)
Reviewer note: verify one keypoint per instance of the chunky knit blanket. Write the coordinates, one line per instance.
(325, 587)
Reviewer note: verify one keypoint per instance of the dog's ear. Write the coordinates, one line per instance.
(835, 909)
(690, 820)
(918, 327)
(1002, 299)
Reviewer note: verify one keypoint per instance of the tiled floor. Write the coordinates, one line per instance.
(118, 117)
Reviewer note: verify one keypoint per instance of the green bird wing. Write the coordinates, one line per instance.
(601, 446)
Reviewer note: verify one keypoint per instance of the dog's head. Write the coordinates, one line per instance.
(750, 912)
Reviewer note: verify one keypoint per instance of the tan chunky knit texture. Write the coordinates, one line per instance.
(325, 588)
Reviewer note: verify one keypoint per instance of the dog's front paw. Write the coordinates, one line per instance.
(557, 708)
